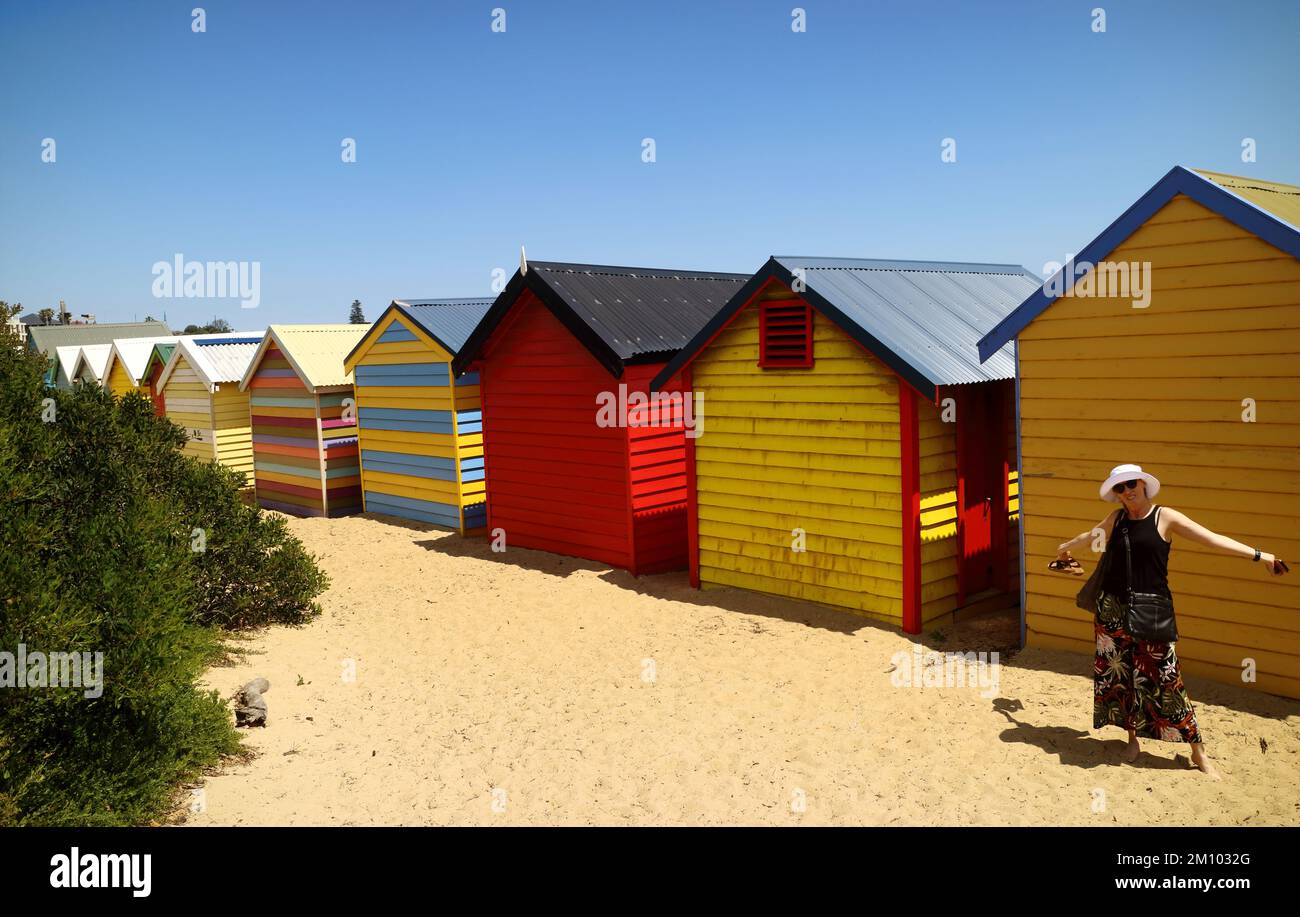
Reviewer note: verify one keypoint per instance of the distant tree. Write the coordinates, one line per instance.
(150, 318)
(7, 311)
(47, 315)
(357, 317)
(216, 326)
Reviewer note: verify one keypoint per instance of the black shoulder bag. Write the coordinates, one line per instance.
(1150, 615)
(1087, 597)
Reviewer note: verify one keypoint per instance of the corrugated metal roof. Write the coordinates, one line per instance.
(639, 311)
(46, 337)
(1282, 201)
(450, 321)
(217, 358)
(134, 353)
(930, 314)
(226, 362)
(315, 351)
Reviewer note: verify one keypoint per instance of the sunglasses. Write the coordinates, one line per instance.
(1119, 488)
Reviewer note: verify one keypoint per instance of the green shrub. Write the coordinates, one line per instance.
(98, 511)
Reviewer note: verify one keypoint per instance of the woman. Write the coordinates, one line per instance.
(1137, 684)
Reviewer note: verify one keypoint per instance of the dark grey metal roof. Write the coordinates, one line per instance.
(639, 311)
(930, 313)
(451, 321)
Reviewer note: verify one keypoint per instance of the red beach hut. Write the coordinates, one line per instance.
(578, 460)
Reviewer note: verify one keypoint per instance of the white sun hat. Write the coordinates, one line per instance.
(1128, 473)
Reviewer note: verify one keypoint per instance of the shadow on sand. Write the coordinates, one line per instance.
(1075, 747)
(992, 631)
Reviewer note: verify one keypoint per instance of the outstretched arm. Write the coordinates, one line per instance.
(1063, 551)
(1181, 525)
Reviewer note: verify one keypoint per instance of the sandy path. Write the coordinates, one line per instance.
(517, 689)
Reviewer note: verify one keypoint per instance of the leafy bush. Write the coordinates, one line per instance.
(98, 512)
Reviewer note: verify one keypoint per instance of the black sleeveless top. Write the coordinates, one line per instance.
(1150, 557)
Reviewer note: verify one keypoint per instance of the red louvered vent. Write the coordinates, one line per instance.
(785, 335)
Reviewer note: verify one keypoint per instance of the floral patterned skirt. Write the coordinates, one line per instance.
(1136, 684)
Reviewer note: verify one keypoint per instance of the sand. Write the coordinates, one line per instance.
(529, 689)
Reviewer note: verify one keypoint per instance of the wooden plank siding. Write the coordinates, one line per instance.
(471, 475)
(119, 380)
(233, 429)
(217, 423)
(189, 404)
(1104, 383)
(340, 451)
(657, 479)
(556, 480)
(285, 438)
(938, 511)
(419, 433)
(814, 449)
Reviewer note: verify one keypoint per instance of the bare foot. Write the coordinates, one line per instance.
(1201, 761)
(1132, 750)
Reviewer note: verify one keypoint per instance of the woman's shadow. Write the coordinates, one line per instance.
(1073, 747)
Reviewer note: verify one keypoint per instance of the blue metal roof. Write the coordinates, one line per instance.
(930, 314)
(450, 321)
(923, 319)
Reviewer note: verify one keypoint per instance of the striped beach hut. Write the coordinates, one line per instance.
(305, 454)
(1172, 340)
(854, 451)
(127, 359)
(576, 463)
(200, 387)
(420, 429)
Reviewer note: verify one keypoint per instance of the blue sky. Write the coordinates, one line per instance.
(225, 145)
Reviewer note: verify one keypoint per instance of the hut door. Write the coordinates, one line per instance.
(980, 491)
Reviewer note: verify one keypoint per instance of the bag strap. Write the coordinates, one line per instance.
(1128, 563)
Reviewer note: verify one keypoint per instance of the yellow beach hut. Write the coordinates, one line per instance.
(1173, 341)
(303, 415)
(127, 359)
(420, 427)
(200, 388)
(851, 450)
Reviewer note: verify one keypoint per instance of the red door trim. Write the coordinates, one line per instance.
(692, 496)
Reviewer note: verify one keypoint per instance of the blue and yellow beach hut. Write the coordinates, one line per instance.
(420, 429)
